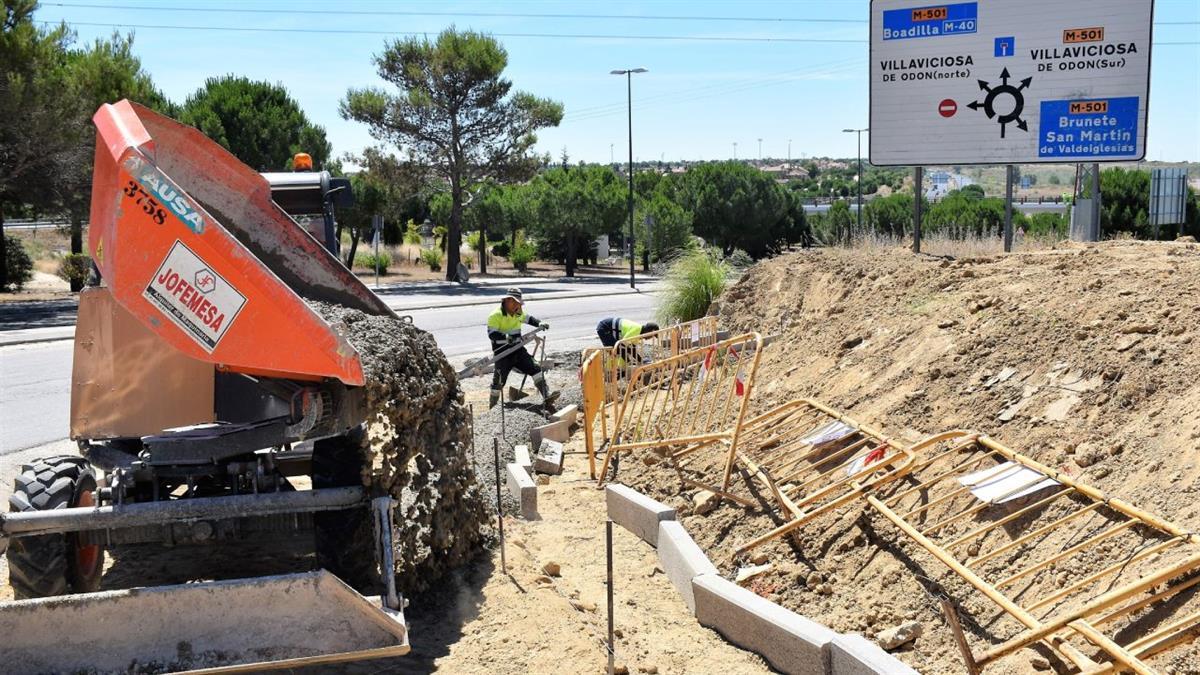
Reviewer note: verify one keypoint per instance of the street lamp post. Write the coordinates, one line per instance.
(789, 151)
(628, 73)
(859, 132)
(760, 152)
(735, 151)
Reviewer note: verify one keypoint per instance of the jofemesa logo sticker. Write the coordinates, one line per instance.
(194, 297)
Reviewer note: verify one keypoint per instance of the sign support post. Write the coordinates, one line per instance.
(1008, 190)
(1095, 233)
(918, 195)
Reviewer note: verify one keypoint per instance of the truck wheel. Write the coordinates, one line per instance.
(53, 564)
(345, 540)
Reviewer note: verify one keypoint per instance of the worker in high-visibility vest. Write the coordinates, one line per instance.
(614, 329)
(504, 330)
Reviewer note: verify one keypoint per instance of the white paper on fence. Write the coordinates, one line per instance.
(1005, 482)
(834, 431)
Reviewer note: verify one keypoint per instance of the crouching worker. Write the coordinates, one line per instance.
(504, 331)
(614, 329)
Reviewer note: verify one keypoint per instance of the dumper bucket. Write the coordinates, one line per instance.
(189, 242)
(245, 625)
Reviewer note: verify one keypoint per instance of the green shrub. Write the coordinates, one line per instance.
(521, 255)
(473, 240)
(432, 257)
(501, 249)
(692, 282)
(412, 233)
(468, 260)
(20, 266)
(739, 259)
(366, 260)
(75, 268)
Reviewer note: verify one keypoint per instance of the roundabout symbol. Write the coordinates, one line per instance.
(1004, 89)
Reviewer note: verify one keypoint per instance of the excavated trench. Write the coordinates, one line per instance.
(418, 443)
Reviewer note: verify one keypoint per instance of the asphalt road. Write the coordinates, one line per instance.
(35, 389)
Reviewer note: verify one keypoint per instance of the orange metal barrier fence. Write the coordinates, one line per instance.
(1026, 537)
(690, 398)
(605, 371)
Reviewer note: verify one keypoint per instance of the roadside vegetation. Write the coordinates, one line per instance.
(691, 284)
(480, 194)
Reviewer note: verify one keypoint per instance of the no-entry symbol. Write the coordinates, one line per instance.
(947, 107)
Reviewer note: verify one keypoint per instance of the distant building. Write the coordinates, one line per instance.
(785, 171)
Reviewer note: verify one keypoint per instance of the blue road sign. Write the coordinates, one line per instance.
(931, 21)
(1089, 128)
(1005, 46)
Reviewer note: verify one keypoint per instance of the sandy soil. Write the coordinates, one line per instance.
(1082, 357)
(481, 620)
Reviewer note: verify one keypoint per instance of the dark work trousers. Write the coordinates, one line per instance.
(609, 331)
(520, 361)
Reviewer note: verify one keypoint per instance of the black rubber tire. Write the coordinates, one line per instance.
(345, 540)
(45, 565)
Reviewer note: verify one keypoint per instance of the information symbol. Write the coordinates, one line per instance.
(1007, 90)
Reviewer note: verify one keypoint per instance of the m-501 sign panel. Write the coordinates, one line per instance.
(1009, 81)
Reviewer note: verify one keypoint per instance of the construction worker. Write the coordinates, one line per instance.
(504, 330)
(614, 329)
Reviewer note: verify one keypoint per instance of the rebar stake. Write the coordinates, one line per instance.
(499, 505)
(612, 647)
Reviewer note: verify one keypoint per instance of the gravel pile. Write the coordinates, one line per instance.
(419, 442)
(519, 418)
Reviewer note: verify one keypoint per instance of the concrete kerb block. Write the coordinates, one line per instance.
(550, 459)
(555, 431)
(570, 414)
(789, 642)
(523, 489)
(682, 560)
(521, 457)
(636, 512)
(853, 654)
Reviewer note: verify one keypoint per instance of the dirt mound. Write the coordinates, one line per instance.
(1083, 358)
(419, 436)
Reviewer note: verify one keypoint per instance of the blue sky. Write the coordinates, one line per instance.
(699, 98)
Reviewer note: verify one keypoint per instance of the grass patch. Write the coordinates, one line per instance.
(691, 283)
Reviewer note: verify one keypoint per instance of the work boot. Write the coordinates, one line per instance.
(548, 397)
(493, 399)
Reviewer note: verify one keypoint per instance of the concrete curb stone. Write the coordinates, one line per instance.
(789, 642)
(555, 431)
(550, 459)
(682, 560)
(636, 512)
(853, 654)
(523, 489)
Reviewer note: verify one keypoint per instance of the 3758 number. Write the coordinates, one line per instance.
(143, 199)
